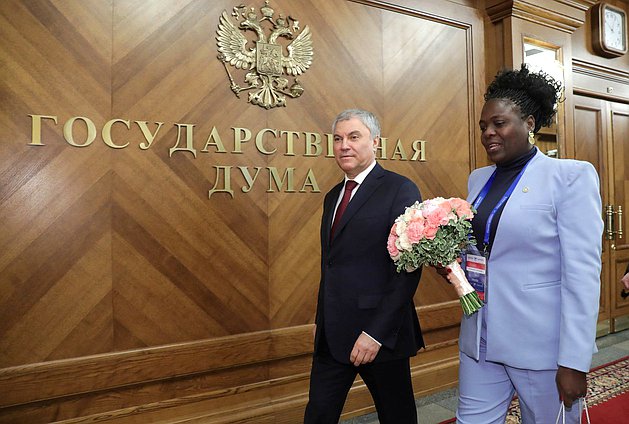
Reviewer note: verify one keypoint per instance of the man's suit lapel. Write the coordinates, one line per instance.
(365, 190)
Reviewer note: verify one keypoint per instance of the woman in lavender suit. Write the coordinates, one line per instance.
(539, 229)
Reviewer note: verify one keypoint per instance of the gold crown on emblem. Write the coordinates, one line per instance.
(264, 58)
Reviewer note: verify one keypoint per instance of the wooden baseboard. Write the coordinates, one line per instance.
(258, 377)
(255, 404)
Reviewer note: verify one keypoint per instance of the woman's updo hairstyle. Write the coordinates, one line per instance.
(534, 93)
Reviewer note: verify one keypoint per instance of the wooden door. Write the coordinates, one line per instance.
(602, 138)
(618, 140)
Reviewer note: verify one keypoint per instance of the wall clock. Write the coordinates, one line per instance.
(609, 30)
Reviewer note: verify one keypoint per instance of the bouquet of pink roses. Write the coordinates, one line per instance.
(433, 233)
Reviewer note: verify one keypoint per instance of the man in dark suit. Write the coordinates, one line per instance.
(366, 321)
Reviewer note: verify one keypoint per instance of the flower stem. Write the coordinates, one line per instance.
(470, 303)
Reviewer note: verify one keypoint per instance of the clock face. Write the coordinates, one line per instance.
(609, 30)
(614, 30)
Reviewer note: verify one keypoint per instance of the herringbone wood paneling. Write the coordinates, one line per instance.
(55, 242)
(107, 251)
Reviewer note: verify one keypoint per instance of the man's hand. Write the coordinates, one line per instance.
(364, 351)
(625, 281)
(571, 384)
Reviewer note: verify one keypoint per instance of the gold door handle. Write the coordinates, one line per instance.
(619, 231)
(609, 222)
(610, 231)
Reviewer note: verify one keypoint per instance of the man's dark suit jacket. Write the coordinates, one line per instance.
(360, 289)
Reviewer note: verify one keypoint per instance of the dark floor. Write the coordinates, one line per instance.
(442, 405)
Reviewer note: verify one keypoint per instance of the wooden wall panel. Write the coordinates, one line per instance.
(130, 295)
(208, 256)
(55, 240)
(590, 145)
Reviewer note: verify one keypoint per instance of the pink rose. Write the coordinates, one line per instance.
(415, 231)
(438, 216)
(430, 231)
(461, 207)
(447, 212)
(392, 248)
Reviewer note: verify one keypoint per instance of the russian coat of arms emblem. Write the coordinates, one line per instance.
(269, 67)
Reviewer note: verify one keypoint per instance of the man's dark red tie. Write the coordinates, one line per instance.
(349, 186)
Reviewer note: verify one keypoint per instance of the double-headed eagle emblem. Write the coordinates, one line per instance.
(265, 61)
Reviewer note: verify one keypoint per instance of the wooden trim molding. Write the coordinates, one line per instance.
(404, 10)
(439, 371)
(601, 82)
(583, 5)
(537, 14)
(36, 382)
(54, 379)
(598, 95)
(599, 71)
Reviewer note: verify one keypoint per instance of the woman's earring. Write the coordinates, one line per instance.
(531, 137)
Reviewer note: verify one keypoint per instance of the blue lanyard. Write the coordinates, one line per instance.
(501, 202)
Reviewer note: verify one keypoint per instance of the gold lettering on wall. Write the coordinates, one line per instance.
(68, 131)
(148, 135)
(36, 128)
(107, 133)
(266, 141)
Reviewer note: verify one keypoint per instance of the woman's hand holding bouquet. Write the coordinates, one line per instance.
(435, 232)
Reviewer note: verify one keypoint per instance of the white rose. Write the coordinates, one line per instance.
(400, 228)
(404, 243)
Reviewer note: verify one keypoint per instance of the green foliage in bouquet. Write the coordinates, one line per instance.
(444, 249)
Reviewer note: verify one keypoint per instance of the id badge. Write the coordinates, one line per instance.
(475, 267)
